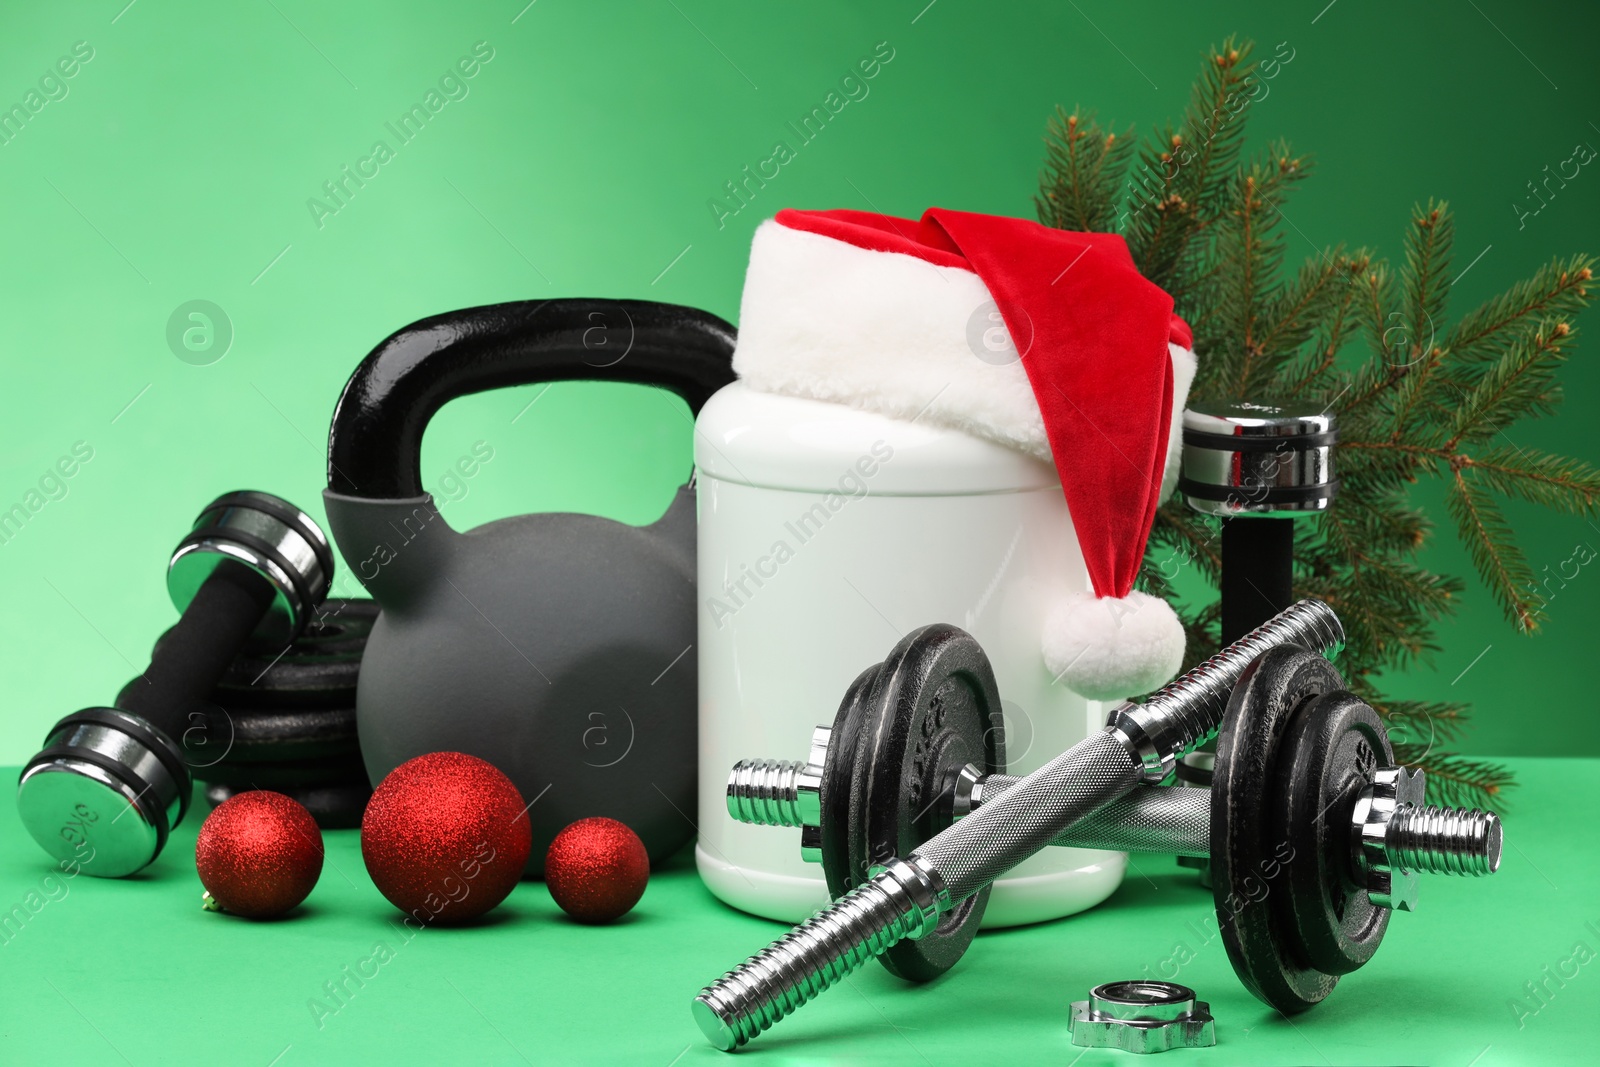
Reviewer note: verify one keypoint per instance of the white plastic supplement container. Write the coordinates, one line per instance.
(827, 534)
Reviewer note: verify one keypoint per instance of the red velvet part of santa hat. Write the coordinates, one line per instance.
(1093, 335)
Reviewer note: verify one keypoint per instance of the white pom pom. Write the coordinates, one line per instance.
(1109, 649)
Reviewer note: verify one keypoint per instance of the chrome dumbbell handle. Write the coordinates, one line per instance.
(1149, 819)
(1139, 743)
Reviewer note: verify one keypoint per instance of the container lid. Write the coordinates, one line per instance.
(785, 442)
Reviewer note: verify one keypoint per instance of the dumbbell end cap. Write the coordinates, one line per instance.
(1267, 459)
(103, 793)
(711, 1024)
(270, 536)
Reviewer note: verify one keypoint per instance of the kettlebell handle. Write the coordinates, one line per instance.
(375, 442)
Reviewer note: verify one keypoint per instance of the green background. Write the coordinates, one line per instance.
(178, 167)
(581, 162)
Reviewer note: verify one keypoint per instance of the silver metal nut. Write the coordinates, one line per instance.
(808, 795)
(1388, 885)
(1142, 1017)
(811, 844)
(808, 786)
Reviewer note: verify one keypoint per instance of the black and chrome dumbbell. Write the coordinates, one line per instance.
(284, 718)
(1259, 468)
(1305, 777)
(111, 783)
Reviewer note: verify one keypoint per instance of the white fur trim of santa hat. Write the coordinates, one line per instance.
(899, 335)
(890, 333)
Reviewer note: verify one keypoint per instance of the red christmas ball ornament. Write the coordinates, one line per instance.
(258, 855)
(597, 869)
(445, 837)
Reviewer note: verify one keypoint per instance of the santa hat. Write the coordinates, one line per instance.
(1042, 340)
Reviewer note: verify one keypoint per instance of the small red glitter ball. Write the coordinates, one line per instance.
(597, 870)
(445, 837)
(259, 854)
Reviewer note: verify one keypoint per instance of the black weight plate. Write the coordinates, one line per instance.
(338, 770)
(333, 807)
(318, 670)
(932, 708)
(1332, 747)
(1247, 858)
(838, 782)
(245, 736)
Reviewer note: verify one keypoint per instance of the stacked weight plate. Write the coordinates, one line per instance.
(285, 720)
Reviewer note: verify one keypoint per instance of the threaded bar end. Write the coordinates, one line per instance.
(1186, 713)
(765, 792)
(813, 956)
(1436, 840)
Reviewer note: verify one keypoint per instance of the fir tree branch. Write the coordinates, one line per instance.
(1215, 121)
(1191, 168)
(1559, 290)
(1188, 539)
(1250, 243)
(1426, 283)
(1204, 227)
(1427, 277)
(1374, 304)
(1518, 384)
(1084, 168)
(1339, 318)
(1459, 781)
(1422, 724)
(1555, 482)
(1290, 320)
(1489, 542)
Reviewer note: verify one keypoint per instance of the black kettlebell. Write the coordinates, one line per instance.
(555, 646)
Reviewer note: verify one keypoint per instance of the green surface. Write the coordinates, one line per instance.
(581, 160)
(134, 972)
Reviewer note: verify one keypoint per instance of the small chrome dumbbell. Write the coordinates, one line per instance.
(1259, 468)
(111, 783)
(908, 896)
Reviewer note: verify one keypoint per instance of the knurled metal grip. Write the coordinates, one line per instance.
(970, 854)
(1140, 743)
(1147, 819)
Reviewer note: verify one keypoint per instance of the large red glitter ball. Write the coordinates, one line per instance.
(258, 854)
(597, 870)
(445, 837)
